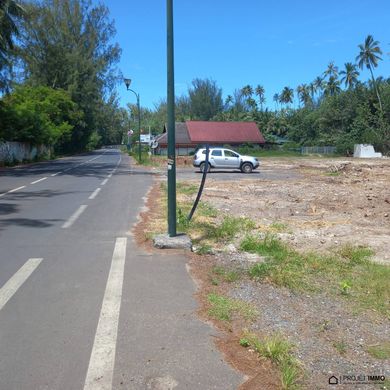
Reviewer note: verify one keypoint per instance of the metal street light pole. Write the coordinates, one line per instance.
(127, 83)
(171, 125)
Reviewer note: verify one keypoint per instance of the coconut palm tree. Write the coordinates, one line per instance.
(369, 56)
(287, 95)
(247, 91)
(303, 92)
(331, 70)
(276, 99)
(318, 84)
(260, 94)
(350, 75)
(332, 87)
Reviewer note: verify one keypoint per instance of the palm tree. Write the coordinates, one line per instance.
(332, 87)
(287, 95)
(331, 70)
(318, 84)
(303, 92)
(369, 56)
(276, 99)
(350, 75)
(247, 91)
(260, 94)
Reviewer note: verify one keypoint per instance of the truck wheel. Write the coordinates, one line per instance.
(202, 167)
(246, 168)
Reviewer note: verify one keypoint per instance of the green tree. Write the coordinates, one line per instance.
(67, 44)
(350, 75)
(332, 70)
(332, 86)
(40, 115)
(260, 94)
(286, 96)
(10, 12)
(370, 54)
(205, 99)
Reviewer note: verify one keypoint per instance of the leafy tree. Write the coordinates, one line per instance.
(368, 57)
(205, 99)
(350, 75)
(66, 44)
(39, 115)
(10, 12)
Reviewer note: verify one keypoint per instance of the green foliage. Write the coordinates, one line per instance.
(39, 115)
(10, 12)
(66, 44)
(205, 99)
(380, 351)
(349, 271)
(223, 308)
(280, 352)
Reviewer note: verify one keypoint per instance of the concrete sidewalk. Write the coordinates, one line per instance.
(161, 343)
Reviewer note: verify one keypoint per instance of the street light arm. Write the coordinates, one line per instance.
(135, 93)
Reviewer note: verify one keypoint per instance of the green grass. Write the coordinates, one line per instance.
(279, 227)
(187, 189)
(348, 272)
(341, 347)
(231, 226)
(279, 351)
(222, 274)
(380, 351)
(223, 308)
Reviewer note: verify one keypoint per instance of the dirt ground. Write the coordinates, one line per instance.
(317, 204)
(323, 203)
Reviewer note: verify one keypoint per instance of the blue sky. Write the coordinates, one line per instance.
(275, 43)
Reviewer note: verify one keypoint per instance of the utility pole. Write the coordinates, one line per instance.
(171, 124)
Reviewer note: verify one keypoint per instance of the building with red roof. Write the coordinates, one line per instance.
(192, 134)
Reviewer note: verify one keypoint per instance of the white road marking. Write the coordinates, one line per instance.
(101, 364)
(37, 181)
(74, 217)
(13, 284)
(55, 174)
(110, 176)
(16, 189)
(94, 194)
(104, 182)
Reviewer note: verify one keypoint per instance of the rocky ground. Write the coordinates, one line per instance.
(313, 204)
(322, 204)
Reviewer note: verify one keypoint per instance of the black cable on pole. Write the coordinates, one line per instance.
(205, 170)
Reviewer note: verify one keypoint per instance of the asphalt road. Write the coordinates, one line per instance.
(81, 307)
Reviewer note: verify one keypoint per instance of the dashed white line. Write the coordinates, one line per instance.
(38, 181)
(101, 364)
(94, 194)
(55, 174)
(16, 189)
(13, 284)
(104, 182)
(74, 217)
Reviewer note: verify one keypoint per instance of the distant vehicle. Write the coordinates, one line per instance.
(222, 158)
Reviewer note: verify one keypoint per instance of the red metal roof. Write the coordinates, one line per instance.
(224, 132)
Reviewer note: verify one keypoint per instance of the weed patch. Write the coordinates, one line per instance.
(348, 272)
(279, 351)
(380, 351)
(222, 308)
